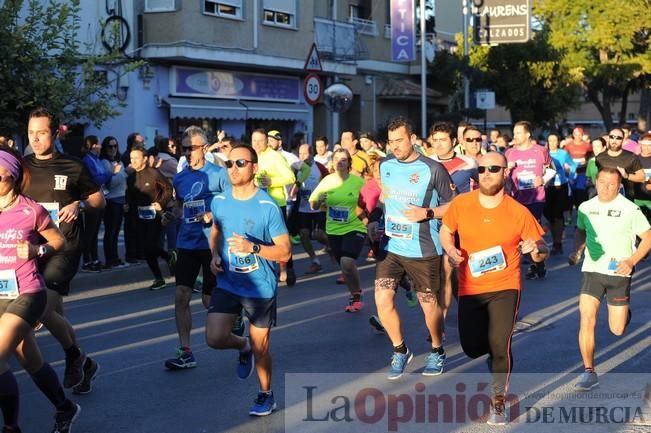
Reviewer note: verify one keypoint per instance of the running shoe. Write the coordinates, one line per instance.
(6, 429)
(245, 364)
(184, 359)
(264, 404)
(411, 298)
(340, 279)
(296, 239)
(498, 413)
(375, 323)
(171, 263)
(91, 368)
(434, 364)
(198, 284)
(587, 381)
(158, 284)
(90, 267)
(314, 268)
(398, 363)
(74, 371)
(63, 419)
(370, 256)
(354, 305)
(119, 264)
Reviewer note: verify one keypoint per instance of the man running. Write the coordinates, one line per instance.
(416, 190)
(65, 187)
(195, 188)
(247, 237)
(627, 163)
(488, 258)
(607, 226)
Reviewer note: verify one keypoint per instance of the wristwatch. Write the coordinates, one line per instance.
(430, 214)
(255, 249)
(42, 251)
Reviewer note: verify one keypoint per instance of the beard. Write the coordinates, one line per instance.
(491, 190)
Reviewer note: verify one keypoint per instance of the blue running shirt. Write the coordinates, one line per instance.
(259, 220)
(195, 190)
(423, 183)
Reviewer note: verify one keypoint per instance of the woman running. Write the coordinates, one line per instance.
(23, 223)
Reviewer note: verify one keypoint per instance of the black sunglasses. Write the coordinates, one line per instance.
(490, 168)
(191, 148)
(615, 137)
(475, 139)
(240, 163)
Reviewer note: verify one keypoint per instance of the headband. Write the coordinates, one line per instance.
(9, 162)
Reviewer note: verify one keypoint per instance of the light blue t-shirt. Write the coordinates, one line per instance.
(259, 219)
(195, 190)
(423, 183)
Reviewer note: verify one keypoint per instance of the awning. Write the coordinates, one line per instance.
(408, 90)
(197, 108)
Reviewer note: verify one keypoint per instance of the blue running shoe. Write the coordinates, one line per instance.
(434, 364)
(264, 404)
(245, 364)
(398, 363)
(183, 359)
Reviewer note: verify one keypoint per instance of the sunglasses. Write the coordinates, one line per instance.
(240, 163)
(491, 168)
(191, 148)
(615, 137)
(474, 139)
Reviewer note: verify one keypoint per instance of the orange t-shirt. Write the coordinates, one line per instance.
(479, 229)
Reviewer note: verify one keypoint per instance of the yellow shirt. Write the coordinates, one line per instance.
(274, 165)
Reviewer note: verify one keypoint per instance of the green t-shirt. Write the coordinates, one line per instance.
(591, 170)
(342, 199)
(610, 229)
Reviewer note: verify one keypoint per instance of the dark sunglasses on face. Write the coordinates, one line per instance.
(475, 139)
(240, 163)
(615, 137)
(490, 168)
(191, 148)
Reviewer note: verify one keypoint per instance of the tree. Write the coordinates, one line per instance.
(604, 46)
(42, 63)
(529, 79)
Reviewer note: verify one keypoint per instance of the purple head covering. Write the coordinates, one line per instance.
(9, 162)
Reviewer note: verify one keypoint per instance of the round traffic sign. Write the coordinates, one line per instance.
(312, 89)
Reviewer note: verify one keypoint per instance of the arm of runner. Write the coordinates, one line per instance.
(637, 176)
(213, 242)
(278, 252)
(282, 174)
(625, 267)
(579, 247)
(537, 249)
(455, 256)
(54, 242)
(415, 214)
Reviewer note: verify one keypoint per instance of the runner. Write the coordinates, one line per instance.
(530, 169)
(247, 237)
(147, 194)
(488, 258)
(312, 222)
(416, 190)
(607, 225)
(360, 162)
(63, 184)
(626, 162)
(346, 221)
(195, 187)
(23, 297)
(557, 192)
(643, 190)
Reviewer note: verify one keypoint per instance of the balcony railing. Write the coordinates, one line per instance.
(365, 27)
(337, 40)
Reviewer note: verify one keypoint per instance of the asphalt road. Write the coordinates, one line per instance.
(130, 331)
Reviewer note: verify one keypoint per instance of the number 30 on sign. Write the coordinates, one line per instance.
(312, 89)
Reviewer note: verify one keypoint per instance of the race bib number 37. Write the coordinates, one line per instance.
(8, 284)
(485, 261)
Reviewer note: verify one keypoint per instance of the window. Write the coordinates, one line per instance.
(223, 8)
(279, 12)
(160, 5)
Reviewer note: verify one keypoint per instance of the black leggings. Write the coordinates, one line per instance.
(149, 236)
(92, 220)
(486, 324)
(113, 214)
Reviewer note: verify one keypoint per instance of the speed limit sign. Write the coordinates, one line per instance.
(312, 89)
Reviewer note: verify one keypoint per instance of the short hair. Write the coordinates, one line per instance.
(260, 131)
(463, 124)
(195, 131)
(342, 150)
(140, 149)
(555, 134)
(352, 132)
(601, 139)
(611, 170)
(495, 130)
(625, 126)
(321, 138)
(645, 137)
(131, 140)
(470, 128)
(526, 125)
(44, 112)
(444, 127)
(252, 152)
(616, 127)
(398, 122)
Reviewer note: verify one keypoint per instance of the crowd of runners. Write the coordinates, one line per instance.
(450, 215)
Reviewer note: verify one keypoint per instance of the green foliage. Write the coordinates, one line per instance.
(42, 63)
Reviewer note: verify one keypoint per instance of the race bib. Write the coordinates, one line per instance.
(485, 261)
(242, 263)
(399, 228)
(525, 180)
(647, 174)
(8, 284)
(193, 211)
(53, 210)
(338, 214)
(146, 212)
(579, 161)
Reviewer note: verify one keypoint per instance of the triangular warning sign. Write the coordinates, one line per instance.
(313, 61)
